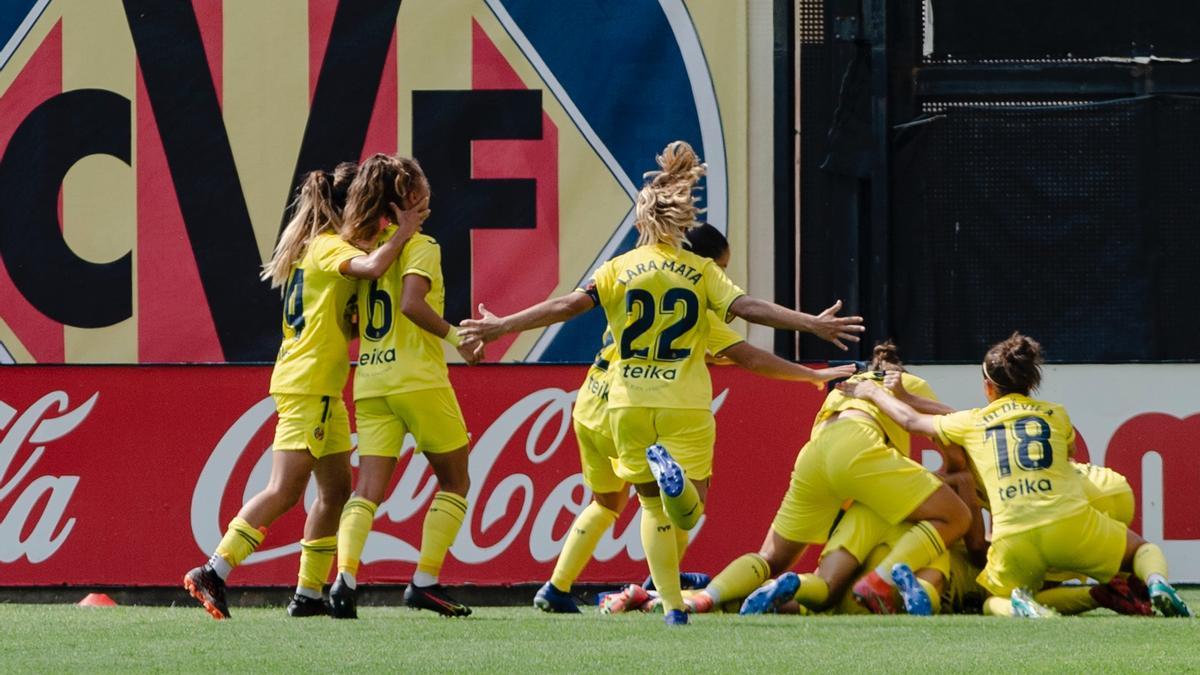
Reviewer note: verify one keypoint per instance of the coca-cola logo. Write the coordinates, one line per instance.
(497, 499)
(26, 436)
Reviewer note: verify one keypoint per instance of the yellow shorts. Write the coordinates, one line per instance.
(1120, 506)
(865, 535)
(849, 458)
(689, 435)
(318, 424)
(432, 416)
(598, 459)
(1088, 542)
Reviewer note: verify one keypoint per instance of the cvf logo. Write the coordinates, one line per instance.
(24, 443)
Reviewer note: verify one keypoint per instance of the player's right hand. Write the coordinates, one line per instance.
(486, 329)
(835, 373)
(829, 326)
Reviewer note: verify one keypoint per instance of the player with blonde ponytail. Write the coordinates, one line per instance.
(657, 299)
(316, 270)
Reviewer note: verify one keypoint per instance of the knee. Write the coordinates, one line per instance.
(334, 496)
(459, 485)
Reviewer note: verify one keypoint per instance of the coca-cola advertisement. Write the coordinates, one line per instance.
(128, 475)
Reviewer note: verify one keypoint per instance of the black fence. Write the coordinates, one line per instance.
(955, 188)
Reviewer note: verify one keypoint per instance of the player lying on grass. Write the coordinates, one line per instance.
(657, 300)
(316, 269)
(1041, 519)
(855, 453)
(597, 451)
(402, 385)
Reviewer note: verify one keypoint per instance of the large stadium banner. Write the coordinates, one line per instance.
(149, 148)
(112, 475)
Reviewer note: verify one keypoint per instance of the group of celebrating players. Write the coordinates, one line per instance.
(896, 536)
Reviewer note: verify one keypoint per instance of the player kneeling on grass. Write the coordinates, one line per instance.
(854, 454)
(1041, 519)
(598, 452)
(402, 386)
(312, 437)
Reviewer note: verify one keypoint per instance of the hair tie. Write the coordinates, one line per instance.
(988, 376)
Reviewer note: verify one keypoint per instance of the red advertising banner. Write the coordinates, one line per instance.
(128, 475)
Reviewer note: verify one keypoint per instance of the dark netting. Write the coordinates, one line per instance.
(1037, 29)
(1076, 225)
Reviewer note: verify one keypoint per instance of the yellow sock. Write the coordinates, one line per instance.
(662, 555)
(1149, 561)
(316, 559)
(580, 544)
(442, 522)
(917, 548)
(739, 578)
(997, 606)
(239, 541)
(686, 509)
(682, 538)
(355, 525)
(935, 599)
(1067, 599)
(813, 592)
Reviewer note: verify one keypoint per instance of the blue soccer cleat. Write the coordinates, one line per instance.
(688, 581)
(1167, 601)
(667, 473)
(675, 617)
(916, 600)
(550, 599)
(769, 596)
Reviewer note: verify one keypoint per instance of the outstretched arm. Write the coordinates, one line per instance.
(827, 325)
(892, 380)
(765, 363)
(414, 307)
(905, 416)
(545, 313)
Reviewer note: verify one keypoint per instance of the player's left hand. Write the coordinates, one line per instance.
(835, 373)
(486, 329)
(829, 326)
(857, 389)
(471, 350)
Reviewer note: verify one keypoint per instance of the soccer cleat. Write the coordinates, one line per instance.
(654, 605)
(688, 581)
(343, 600)
(1024, 606)
(626, 600)
(435, 599)
(1167, 601)
(769, 596)
(1120, 598)
(550, 599)
(916, 600)
(303, 606)
(207, 587)
(675, 617)
(667, 473)
(875, 594)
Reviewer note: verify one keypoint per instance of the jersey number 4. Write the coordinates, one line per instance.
(664, 349)
(1028, 431)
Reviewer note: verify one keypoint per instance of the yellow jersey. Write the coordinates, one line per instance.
(655, 299)
(396, 355)
(314, 359)
(1018, 447)
(899, 439)
(591, 403)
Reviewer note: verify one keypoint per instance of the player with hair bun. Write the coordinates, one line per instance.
(657, 299)
(598, 452)
(402, 385)
(315, 269)
(1041, 519)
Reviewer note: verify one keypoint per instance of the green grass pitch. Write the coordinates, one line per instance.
(57, 638)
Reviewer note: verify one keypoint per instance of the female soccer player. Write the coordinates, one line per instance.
(316, 270)
(402, 385)
(597, 451)
(656, 298)
(1041, 519)
(855, 453)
